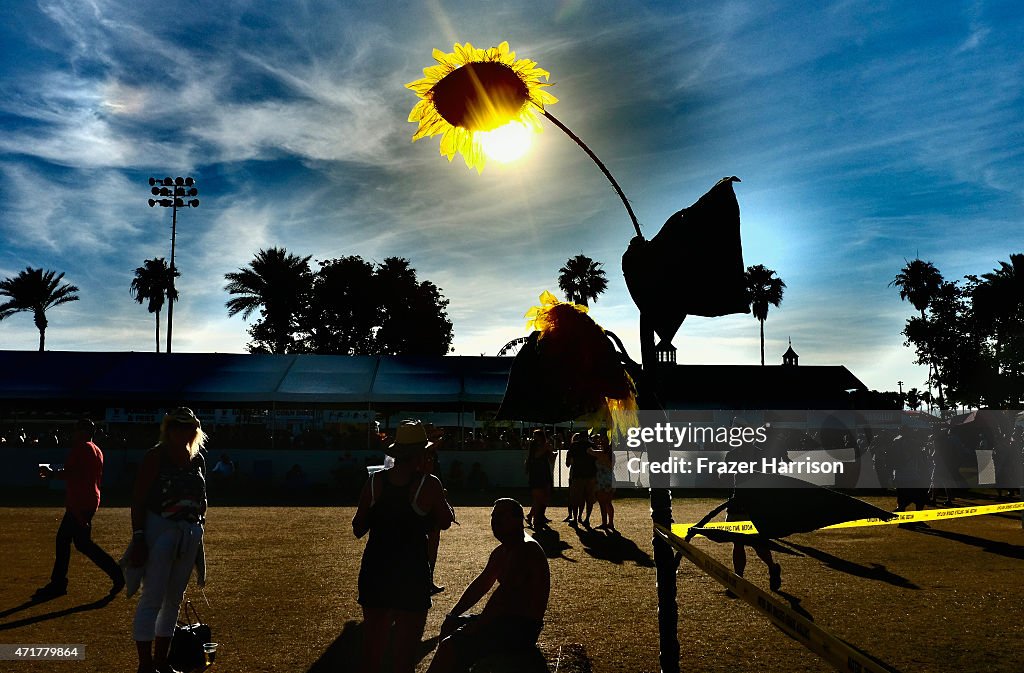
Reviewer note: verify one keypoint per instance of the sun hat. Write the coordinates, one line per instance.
(409, 435)
(184, 416)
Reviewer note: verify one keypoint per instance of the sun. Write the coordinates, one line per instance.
(475, 91)
(506, 143)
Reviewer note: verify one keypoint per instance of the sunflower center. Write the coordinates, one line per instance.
(480, 96)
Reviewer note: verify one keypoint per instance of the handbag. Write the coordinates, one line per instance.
(186, 653)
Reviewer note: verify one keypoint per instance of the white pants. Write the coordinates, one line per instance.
(172, 555)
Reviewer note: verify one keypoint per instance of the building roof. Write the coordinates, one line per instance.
(119, 379)
(757, 387)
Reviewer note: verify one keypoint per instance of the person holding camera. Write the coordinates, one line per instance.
(82, 473)
(398, 507)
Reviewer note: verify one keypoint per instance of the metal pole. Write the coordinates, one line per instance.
(170, 299)
(661, 513)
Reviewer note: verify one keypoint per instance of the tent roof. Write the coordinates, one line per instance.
(240, 379)
(118, 379)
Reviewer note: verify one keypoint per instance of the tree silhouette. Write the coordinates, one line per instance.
(344, 312)
(582, 279)
(998, 302)
(763, 288)
(919, 282)
(35, 290)
(154, 283)
(364, 309)
(278, 284)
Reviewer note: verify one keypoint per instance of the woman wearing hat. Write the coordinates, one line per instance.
(168, 510)
(398, 507)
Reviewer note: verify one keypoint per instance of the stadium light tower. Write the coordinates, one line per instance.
(173, 193)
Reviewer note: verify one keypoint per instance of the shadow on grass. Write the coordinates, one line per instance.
(990, 546)
(344, 653)
(875, 571)
(56, 614)
(612, 547)
(552, 543)
(794, 603)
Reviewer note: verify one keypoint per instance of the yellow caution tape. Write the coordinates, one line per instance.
(838, 653)
(747, 528)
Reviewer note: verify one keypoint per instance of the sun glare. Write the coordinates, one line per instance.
(507, 143)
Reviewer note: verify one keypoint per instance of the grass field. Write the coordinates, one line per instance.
(282, 593)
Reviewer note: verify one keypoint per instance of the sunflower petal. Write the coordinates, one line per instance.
(464, 52)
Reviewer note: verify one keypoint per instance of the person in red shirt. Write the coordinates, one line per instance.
(83, 472)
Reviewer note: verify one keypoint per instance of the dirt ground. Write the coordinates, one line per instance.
(282, 593)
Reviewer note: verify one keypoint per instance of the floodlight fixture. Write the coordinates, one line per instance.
(176, 188)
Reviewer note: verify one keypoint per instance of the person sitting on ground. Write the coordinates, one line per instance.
(513, 616)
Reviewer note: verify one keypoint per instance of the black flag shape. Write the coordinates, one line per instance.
(693, 266)
(779, 505)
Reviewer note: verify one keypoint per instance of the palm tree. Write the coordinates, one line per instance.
(35, 290)
(919, 282)
(1000, 299)
(277, 283)
(582, 279)
(763, 288)
(154, 282)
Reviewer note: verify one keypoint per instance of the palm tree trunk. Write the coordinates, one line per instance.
(157, 314)
(931, 367)
(762, 342)
(39, 318)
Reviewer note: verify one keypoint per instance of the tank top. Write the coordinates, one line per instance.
(394, 572)
(179, 493)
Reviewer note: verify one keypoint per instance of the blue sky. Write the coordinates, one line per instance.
(865, 133)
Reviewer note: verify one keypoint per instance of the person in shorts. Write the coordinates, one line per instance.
(582, 459)
(513, 616)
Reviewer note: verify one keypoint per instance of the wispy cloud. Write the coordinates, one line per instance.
(864, 135)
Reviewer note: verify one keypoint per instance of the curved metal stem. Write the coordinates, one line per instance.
(600, 164)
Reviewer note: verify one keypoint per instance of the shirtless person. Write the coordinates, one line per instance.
(513, 616)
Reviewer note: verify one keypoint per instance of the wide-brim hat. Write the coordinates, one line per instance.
(409, 435)
(183, 416)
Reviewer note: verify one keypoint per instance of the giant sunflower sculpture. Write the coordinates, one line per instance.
(471, 92)
(568, 369)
